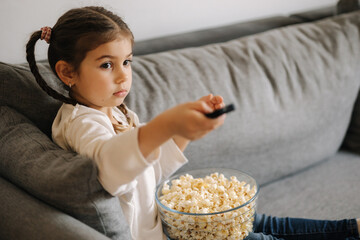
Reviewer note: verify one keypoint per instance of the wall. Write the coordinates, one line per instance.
(147, 19)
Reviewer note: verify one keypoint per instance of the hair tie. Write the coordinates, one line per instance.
(46, 34)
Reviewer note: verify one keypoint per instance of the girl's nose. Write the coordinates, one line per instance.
(121, 76)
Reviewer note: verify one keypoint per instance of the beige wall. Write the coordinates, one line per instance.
(146, 18)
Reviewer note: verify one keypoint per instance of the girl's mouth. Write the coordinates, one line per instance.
(121, 93)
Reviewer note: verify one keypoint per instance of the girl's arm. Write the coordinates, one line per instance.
(181, 142)
(183, 123)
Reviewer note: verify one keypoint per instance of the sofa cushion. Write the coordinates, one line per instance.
(294, 89)
(30, 215)
(328, 190)
(20, 91)
(65, 180)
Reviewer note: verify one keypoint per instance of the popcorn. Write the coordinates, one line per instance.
(207, 200)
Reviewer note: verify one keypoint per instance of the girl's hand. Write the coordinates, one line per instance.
(215, 102)
(189, 121)
(184, 122)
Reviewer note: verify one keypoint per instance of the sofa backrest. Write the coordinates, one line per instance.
(211, 35)
(294, 89)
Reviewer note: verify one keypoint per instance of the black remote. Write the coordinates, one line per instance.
(221, 111)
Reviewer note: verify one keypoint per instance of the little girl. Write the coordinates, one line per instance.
(90, 51)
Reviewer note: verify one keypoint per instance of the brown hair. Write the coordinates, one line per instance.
(77, 32)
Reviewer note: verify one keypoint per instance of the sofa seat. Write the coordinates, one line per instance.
(326, 190)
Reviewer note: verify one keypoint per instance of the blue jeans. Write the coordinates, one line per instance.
(273, 228)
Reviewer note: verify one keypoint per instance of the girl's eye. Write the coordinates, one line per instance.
(106, 65)
(127, 62)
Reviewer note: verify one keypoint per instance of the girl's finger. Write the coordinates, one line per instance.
(202, 106)
(218, 102)
(206, 98)
(218, 99)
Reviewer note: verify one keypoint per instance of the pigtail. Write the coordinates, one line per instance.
(121, 128)
(30, 57)
(124, 110)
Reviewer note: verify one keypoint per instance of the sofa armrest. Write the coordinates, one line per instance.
(25, 217)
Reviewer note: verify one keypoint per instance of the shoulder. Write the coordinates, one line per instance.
(73, 121)
(79, 113)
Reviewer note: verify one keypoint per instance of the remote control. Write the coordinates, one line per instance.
(221, 111)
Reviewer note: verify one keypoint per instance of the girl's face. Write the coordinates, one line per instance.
(104, 77)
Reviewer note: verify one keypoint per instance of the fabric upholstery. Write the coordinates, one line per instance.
(213, 35)
(65, 180)
(344, 6)
(315, 14)
(20, 91)
(49, 224)
(328, 190)
(294, 89)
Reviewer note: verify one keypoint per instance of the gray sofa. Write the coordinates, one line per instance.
(296, 127)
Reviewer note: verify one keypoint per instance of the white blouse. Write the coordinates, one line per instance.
(122, 169)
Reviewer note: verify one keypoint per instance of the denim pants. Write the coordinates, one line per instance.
(274, 228)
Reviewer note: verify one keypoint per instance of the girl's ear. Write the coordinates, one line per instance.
(66, 73)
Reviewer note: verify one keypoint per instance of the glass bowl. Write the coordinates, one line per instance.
(231, 222)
